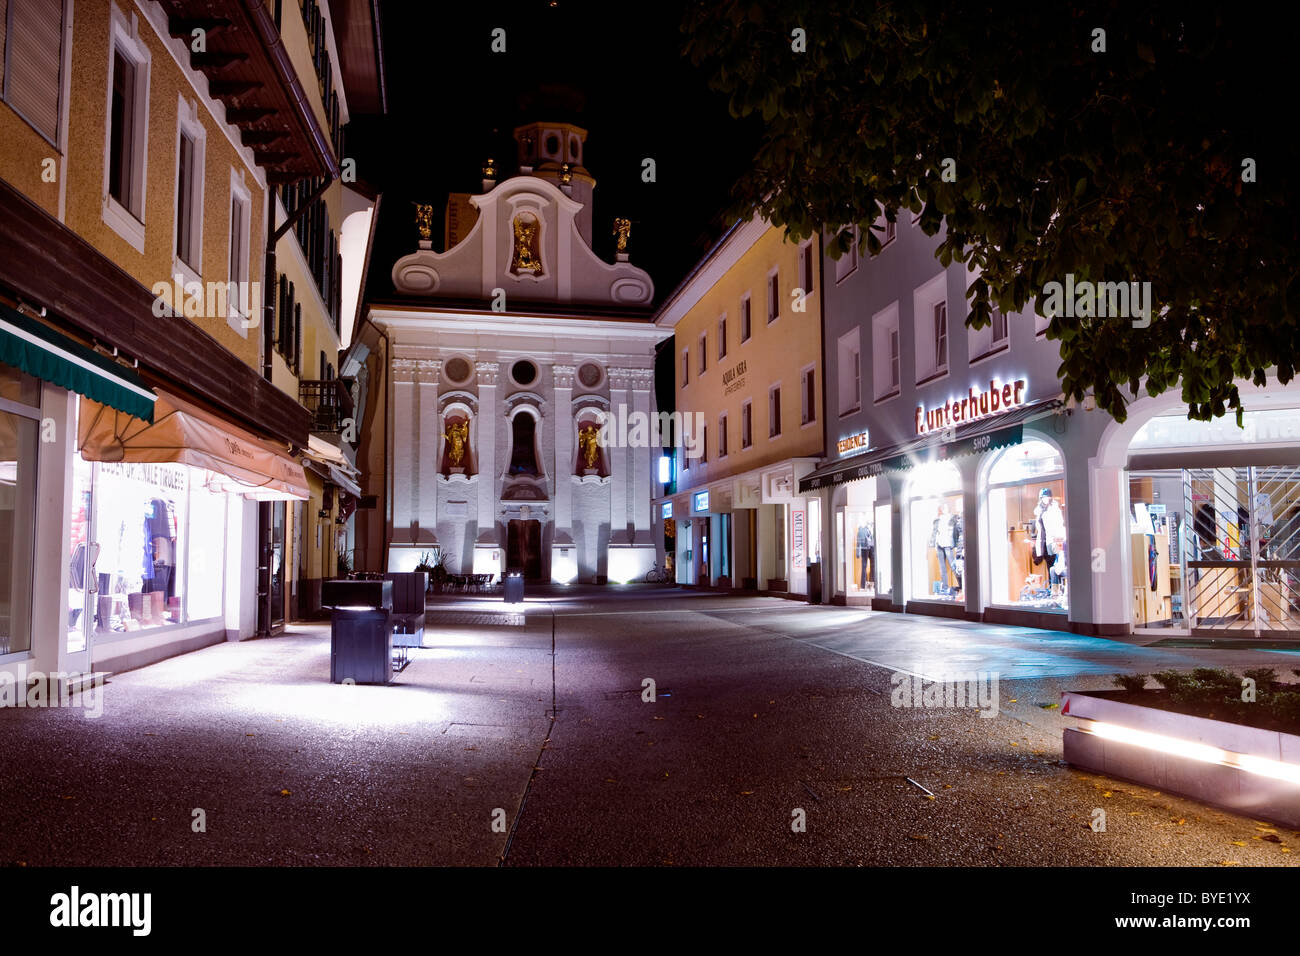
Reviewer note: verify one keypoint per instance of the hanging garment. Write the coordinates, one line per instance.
(1153, 561)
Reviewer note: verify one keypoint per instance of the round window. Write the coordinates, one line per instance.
(457, 370)
(552, 145)
(589, 374)
(524, 372)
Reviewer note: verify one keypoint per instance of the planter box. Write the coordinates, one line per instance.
(1252, 771)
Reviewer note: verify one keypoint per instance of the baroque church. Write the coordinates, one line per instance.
(489, 374)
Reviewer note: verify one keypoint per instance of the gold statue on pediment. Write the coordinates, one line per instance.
(622, 229)
(457, 435)
(527, 258)
(589, 444)
(424, 220)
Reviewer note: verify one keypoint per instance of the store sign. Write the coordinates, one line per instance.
(167, 476)
(994, 400)
(797, 534)
(667, 510)
(852, 443)
(733, 378)
(701, 501)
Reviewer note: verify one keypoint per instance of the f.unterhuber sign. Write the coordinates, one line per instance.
(976, 404)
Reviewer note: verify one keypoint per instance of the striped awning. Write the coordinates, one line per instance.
(40, 351)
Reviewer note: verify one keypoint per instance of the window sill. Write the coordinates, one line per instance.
(998, 350)
(851, 411)
(118, 218)
(888, 397)
(934, 376)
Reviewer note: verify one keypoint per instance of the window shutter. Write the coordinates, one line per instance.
(35, 59)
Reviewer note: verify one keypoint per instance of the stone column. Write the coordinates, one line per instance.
(641, 461)
(1100, 572)
(403, 452)
(428, 429)
(562, 469)
(488, 492)
(619, 460)
(974, 582)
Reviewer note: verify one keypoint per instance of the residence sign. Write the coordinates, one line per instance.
(994, 400)
(852, 443)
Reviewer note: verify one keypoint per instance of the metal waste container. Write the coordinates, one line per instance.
(361, 630)
(514, 587)
(815, 582)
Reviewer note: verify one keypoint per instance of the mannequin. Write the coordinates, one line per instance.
(947, 539)
(866, 549)
(159, 547)
(1049, 537)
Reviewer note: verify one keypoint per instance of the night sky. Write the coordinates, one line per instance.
(452, 102)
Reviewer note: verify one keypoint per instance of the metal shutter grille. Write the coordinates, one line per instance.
(35, 55)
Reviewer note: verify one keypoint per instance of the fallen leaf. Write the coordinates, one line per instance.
(919, 836)
(610, 780)
(1229, 863)
(285, 793)
(1238, 842)
(1270, 838)
(746, 793)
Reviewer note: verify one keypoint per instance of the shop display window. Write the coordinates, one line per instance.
(19, 430)
(1028, 547)
(1157, 540)
(884, 535)
(139, 522)
(207, 539)
(938, 546)
(860, 550)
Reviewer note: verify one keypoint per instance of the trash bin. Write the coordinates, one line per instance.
(361, 630)
(514, 587)
(815, 582)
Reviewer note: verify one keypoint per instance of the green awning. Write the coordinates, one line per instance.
(52, 357)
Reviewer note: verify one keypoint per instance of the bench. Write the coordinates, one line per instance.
(408, 608)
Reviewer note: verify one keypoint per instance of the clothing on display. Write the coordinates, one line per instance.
(866, 548)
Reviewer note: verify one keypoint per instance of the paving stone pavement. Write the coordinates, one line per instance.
(765, 711)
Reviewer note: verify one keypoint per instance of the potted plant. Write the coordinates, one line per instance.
(436, 569)
(344, 564)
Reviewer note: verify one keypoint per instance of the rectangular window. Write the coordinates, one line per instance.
(238, 241)
(31, 42)
(848, 262)
(884, 352)
(722, 435)
(185, 244)
(999, 326)
(773, 298)
(849, 368)
(940, 335)
(891, 232)
(722, 338)
(746, 425)
(704, 350)
(806, 268)
(744, 319)
(774, 411)
(808, 390)
(704, 443)
(686, 366)
(20, 428)
(121, 155)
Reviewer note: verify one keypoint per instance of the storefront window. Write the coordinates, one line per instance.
(856, 528)
(83, 595)
(139, 522)
(938, 547)
(207, 533)
(883, 569)
(19, 428)
(1027, 528)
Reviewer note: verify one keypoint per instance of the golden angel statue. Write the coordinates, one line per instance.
(424, 219)
(457, 435)
(622, 229)
(589, 444)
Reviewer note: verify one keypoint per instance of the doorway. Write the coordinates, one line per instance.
(524, 547)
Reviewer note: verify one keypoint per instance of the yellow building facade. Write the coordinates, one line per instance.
(748, 387)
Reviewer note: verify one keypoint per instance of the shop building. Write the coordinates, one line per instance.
(505, 381)
(138, 437)
(746, 327)
(957, 483)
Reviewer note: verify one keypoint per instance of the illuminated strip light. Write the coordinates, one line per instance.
(1259, 766)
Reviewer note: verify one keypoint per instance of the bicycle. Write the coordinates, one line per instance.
(656, 575)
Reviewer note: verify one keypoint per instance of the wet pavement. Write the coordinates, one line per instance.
(523, 736)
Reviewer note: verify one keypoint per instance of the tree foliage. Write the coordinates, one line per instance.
(1123, 165)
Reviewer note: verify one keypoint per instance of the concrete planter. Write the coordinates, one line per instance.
(1246, 769)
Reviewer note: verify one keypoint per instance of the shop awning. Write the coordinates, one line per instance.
(333, 474)
(51, 356)
(235, 460)
(973, 438)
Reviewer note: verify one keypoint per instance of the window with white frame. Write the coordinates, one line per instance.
(849, 368)
(847, 263)
(1041, 322)
(686, 366)
(994, 337)
(890, 233)
(930, 311)
(773, 297)
(126, 129)
(722, 338)
(722, 435)
(808, 395)
(704, 348)
(746, 424)
(241, 298)
(31, 49)
(886, 372)
(806, 267)
(774, 411)
(744, 318)
(190, 147)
